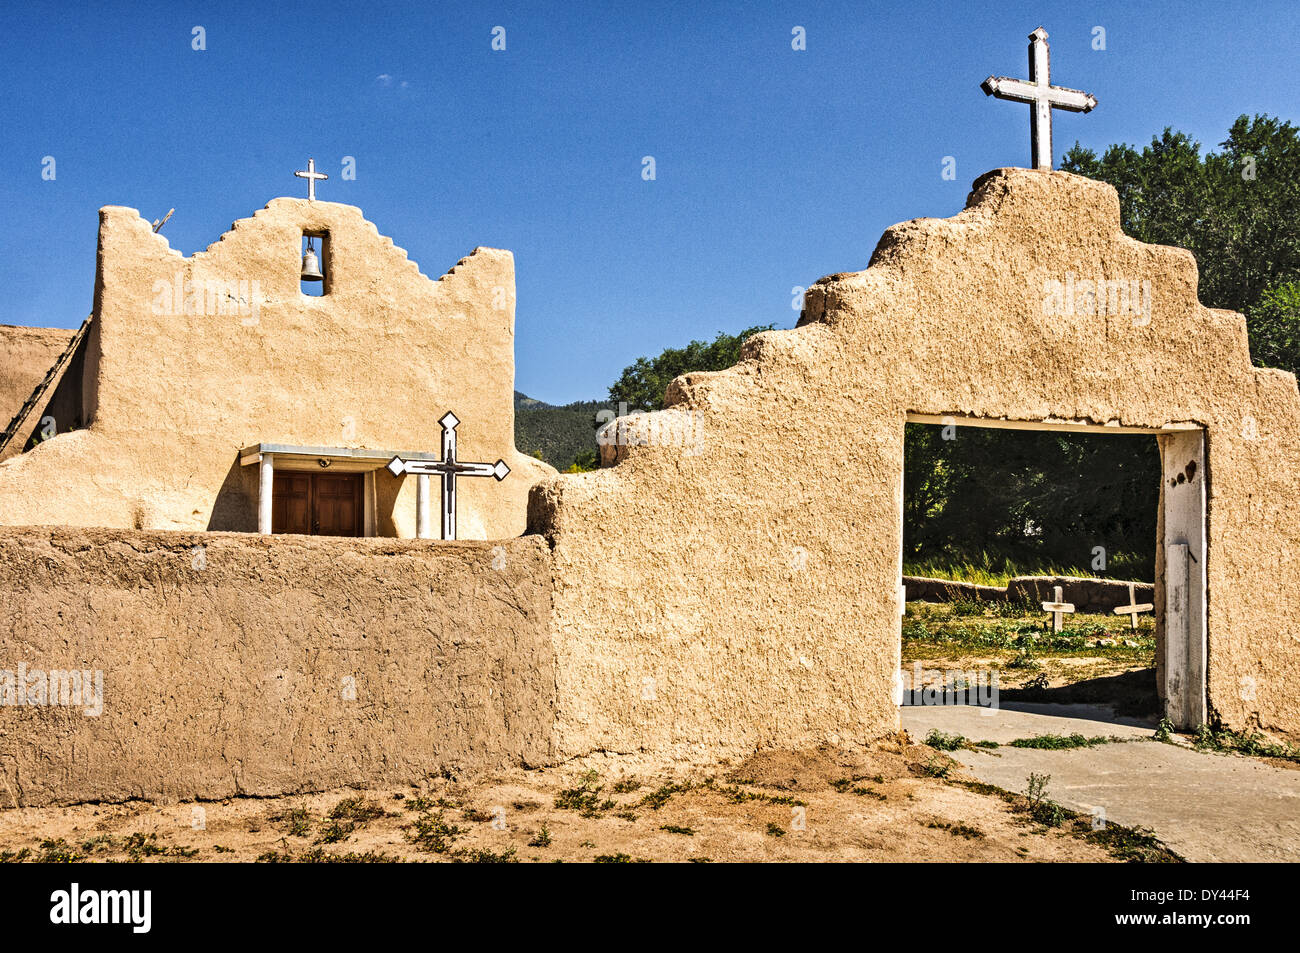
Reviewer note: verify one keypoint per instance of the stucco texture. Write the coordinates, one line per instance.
(745, 593)
(176, 383)
(28, 354)
(226, 669)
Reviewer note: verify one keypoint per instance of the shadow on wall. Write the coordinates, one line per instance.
(235, 508)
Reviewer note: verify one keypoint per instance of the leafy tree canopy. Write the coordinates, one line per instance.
(1236, 210)
(642, 384)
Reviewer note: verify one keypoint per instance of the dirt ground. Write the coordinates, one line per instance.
(896, 801)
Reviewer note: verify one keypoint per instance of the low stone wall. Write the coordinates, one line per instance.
(1088, 595)
(241, 664)
(926, 589)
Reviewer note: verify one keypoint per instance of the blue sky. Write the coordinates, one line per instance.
(773, 166)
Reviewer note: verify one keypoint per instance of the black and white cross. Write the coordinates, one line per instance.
(448, 468)
(1041, 96)
(311, 175)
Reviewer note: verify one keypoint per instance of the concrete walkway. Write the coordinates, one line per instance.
(1204, 806)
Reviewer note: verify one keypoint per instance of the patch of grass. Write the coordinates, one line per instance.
(937, 766)
(674, 829)
(138, 847)
(345, 817)
(296, 821)
(15, 857)
(987, 569)
(1165, 731)
(661, 795)
(942, 741)
(775, 830)
(431, 832)
(585, 798)
(939, 628)
(475, 815)
(57, 851)
(335, 831)
(966, 607)
(316, 855)
(1135, 844)
(422, 803)
(626, 786)
(356, 809)
(1042, 809)
(738, 795)
(1248, 743)
(481, 855)
(957, 828)
(541, 839)
(1052, 742)
(617, 859)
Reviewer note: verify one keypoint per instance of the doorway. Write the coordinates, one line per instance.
(317, 504)
(1180, 597)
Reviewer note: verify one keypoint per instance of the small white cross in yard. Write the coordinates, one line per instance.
(1042, 97)
(1058, 609)
(1134, 607)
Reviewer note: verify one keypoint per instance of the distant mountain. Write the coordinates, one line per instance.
(523, 401)
(559, 433)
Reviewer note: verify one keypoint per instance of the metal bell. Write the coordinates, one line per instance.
(311, 265)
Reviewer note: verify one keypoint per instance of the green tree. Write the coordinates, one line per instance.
(1274, 326)
(642, 385)
(1237, 210)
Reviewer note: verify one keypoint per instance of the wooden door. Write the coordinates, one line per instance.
(291, 503)
(317, 504)
(336, 500)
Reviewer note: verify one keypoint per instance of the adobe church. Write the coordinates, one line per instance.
(173, 527)
(212, 393)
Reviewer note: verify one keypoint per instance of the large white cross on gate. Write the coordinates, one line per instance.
(1042, 97)
(448, 468)
(311, 175)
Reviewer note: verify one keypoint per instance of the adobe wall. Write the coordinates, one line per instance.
(746, 593)
(28, 354)
(224, 668)
(178, 383)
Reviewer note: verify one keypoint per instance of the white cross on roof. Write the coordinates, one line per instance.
(311, 175)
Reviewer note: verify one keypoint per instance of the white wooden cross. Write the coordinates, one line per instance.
(311, 175)
(1134, 607)
(1042, 97)
(1058, 609)
(448, 468)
